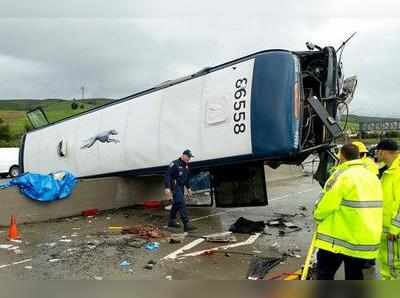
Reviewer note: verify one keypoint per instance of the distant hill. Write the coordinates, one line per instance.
(358, 119)
(29, 104)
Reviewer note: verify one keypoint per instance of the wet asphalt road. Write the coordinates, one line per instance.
(92, 251)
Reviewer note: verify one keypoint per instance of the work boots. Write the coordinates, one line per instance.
(174, 224)
(188, 227)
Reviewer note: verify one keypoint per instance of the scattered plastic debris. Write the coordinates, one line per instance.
(98, 278)
(168, 277)
(54, 260)
(275, 245)
(152, 246)
(124, 263)
(115, 228)
(90, 212)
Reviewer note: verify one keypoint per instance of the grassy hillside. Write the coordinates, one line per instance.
(13, 112)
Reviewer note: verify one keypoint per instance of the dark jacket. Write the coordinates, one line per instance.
(177, 175)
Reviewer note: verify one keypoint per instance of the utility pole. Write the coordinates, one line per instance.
(83, 92)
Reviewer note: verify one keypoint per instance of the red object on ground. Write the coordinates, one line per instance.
(152, 204)
(13, 233)
(145, 231)
(90, 212)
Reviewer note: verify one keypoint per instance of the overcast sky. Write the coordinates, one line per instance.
(49, 49)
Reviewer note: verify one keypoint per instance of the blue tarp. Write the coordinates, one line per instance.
(44, 188)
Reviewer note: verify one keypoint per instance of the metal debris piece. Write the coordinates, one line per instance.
(220, 237)
(259, 267)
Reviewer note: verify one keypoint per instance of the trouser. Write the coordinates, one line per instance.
(179, 206)
(328, 263)
(389, 258)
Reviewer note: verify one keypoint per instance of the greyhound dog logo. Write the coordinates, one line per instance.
(103, 137)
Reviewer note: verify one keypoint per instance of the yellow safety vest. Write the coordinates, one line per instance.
(349, 214)
(370, 165)
(391, 197)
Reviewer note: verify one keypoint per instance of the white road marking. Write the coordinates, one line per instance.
(249, 241)
(192, 244)
(15, 263)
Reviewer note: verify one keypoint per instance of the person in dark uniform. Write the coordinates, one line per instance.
(176, 179)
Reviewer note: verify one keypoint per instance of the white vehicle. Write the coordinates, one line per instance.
(9, 165)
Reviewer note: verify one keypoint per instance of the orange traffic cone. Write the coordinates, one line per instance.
(13, 233)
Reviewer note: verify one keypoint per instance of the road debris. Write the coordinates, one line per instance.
(259, 267)
(90, 212)
(220, 237)
(189, 246)
(177, 238)
(54, 260)
(152, 246)
(150, 265)
(98, 278)
(168, 277)
(249, 241)
(137, 243)
(246, 226)
(124, 263)
(145, 231)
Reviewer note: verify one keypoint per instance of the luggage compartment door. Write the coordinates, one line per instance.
(240, 185)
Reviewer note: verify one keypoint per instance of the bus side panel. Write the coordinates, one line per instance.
(273, 132)
(142, 134)
(40, 153)
(151, 130)
(225, 123)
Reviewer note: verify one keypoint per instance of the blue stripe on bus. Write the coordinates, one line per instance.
(272, 115)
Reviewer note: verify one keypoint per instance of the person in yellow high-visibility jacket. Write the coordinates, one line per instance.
(389, 254)
(369, 163)
(349, 218)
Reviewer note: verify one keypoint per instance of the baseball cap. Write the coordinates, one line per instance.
(388, 144)
(188, 153)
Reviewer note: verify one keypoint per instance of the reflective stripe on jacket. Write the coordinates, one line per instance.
(349, 214)
(391, 197)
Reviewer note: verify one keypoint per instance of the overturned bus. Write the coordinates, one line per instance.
(272, 107)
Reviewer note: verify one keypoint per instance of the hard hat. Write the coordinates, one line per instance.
(361, 147)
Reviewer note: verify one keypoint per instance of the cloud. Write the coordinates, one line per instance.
(117, 48)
